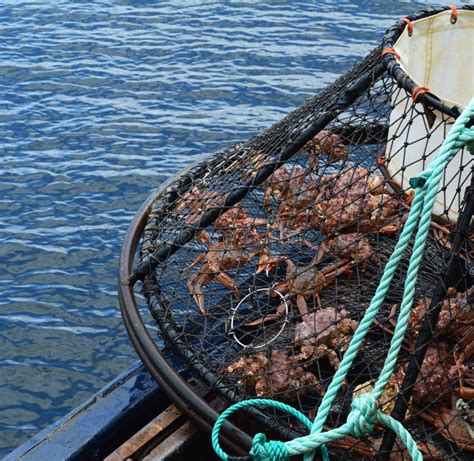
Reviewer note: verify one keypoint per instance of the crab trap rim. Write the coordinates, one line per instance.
(180, 391)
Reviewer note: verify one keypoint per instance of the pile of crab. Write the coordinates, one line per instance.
(348, 208)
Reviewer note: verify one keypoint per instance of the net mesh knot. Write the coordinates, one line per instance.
(268, 451)
(363, 415)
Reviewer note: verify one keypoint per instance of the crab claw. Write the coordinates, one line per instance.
(268, 267)
(200, 258)
(195, 284)
(202, 237)
(282, 287)
(266, 262)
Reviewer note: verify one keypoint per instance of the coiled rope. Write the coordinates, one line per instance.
(364, 412)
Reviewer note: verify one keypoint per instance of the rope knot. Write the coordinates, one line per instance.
(268, 451)
(419, 181)
(363, 415)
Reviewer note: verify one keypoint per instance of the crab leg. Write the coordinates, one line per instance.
(328, 278)
(448, 425)
(195, 284)
(391, 227)
(259, 222)
(195, 262)
(280, 312)
(228, 282)
(282, 287)
(323, 350)
(336, 269)
(267, 262)
(466, 393)
(320, 251)
(302, 305)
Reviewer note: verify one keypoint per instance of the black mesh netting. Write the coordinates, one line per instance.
(264, 300)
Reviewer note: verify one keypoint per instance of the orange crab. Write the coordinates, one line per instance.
(216, 261)
(276, 374)
(303, 282)
(322, 333)
(328, 143)
(352, 246)
(354, 198)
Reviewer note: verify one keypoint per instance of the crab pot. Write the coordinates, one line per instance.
(258, 263)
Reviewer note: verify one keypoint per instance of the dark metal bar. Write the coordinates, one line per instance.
(455, 270)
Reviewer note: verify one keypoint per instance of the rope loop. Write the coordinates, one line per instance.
(268, 451)
(363, 415)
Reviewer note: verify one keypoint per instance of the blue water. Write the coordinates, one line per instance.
(100, 102)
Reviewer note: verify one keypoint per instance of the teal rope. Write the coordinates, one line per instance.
(364, 412)
(253, 403)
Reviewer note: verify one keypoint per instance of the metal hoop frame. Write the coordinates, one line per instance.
(168, 378)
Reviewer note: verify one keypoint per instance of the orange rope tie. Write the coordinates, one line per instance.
(409, 26)
(390, 51)
(418, 91)
(454, 14)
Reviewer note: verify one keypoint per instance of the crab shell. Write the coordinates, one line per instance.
(323, 327)
(274, 375)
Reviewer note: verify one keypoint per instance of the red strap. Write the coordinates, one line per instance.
(382, 160)
(409, 25)
(418, 91)
(390, 51)
(454, 14)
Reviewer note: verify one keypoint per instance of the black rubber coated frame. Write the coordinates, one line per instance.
(400, 76)
(167, 377)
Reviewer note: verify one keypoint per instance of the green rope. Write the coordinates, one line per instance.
(364, 411)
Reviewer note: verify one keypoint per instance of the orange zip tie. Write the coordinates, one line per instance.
(418, 91)
(454, 14)
(390, 51)
(409, 26)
